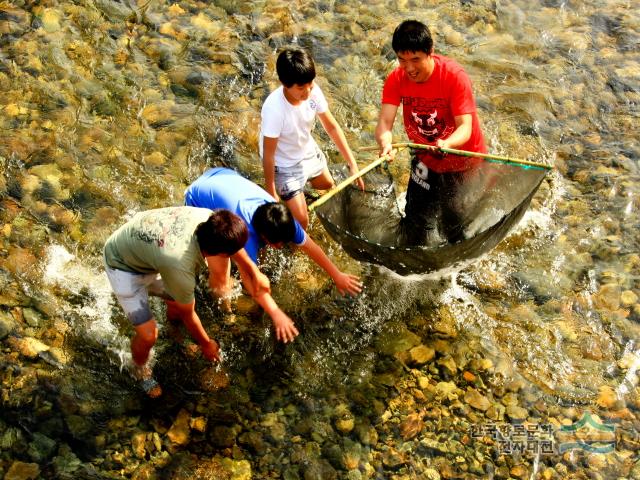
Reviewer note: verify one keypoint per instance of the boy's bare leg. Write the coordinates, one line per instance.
(174, 321)
(298, 207)
(142, 342)
(324, 181)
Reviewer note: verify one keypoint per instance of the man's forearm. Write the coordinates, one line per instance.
(384, 138)
(195, 329)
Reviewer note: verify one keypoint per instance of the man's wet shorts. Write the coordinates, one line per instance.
(290, 181)
(132, 291)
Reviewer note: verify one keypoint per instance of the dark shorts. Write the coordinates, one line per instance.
(432, 214)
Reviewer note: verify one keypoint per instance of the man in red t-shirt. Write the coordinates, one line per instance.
(438, 109)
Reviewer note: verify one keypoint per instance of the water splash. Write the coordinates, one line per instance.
(66, 271)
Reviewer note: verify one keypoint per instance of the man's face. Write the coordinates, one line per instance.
(298, 93)
(417, 65)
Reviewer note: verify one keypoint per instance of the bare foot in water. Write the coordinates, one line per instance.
(149, 385)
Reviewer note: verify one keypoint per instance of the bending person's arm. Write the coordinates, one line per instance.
(254, 281)
(345, 282)
(188, 315)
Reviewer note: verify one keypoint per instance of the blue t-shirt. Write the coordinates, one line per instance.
(225, 188)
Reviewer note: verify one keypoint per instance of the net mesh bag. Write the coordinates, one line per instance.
(371, 225)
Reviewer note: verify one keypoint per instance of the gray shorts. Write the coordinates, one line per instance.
(290, 181)
(132, 291)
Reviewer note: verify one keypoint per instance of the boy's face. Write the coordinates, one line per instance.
(277, 245)
(298, 93)
(417, 65)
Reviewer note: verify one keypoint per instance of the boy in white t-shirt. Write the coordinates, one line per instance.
(290, 155)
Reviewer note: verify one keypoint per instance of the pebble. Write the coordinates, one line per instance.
(22, 471)
(421, 354)
(476, 400)
(179, 432)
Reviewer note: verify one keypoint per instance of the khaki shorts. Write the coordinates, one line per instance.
(290, 181)
(132, 291)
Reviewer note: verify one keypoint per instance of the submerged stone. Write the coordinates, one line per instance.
(238, 469)
(22, 471)
(397, 341)
(179, 431)
(7, 324)
(28, 347)
(41, 448)
(476, 399)
(421, 354)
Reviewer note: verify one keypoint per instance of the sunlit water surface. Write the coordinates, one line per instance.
(110, 108)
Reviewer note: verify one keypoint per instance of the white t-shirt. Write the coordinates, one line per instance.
(291, 125)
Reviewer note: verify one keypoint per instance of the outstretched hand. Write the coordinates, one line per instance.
(286, 331)
(211, 351)
(348, 284)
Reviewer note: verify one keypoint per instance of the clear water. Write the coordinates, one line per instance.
(114, 107)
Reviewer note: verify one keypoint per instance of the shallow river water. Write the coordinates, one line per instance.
(521, 364)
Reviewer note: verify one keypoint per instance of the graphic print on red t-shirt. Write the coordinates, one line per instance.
(426, 122)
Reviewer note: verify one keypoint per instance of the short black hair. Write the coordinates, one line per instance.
(274, 222)
(224, 232)
(412, 36)
(295, 66)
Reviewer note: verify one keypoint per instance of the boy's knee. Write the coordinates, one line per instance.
(147, 332)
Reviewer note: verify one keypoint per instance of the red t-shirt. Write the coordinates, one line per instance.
(429, 109)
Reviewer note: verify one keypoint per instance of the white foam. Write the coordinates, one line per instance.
(65, 270)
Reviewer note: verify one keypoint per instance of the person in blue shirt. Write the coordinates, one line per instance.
(269, 223)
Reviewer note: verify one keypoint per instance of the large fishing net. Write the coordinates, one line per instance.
(370, 224)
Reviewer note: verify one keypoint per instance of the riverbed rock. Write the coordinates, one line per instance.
(223, 436)
(397, 341)
(179, 431)
(22, 471)
(27, 346)
(41, 448)
(32, 317)
(412, 425)
(446, 391)
(476, 399)
(608, 297)
(421, 354)
(344, 419)
(515, 412)
(7, 324)
(607, 397)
